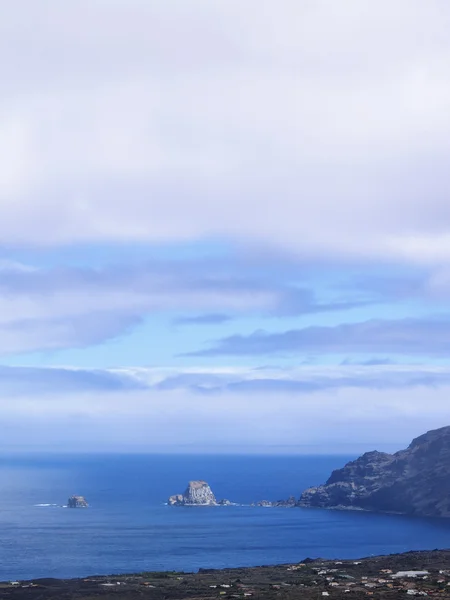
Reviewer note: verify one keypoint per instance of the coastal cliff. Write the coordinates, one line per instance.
(197, 493)
(413, 481)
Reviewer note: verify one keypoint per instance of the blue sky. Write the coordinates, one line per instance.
(224, 227)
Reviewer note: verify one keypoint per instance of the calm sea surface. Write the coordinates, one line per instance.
(128, 528)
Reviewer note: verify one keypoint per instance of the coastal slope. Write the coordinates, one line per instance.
(380, 577)
(413, 481)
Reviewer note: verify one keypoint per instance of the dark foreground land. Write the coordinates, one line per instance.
(376, 577)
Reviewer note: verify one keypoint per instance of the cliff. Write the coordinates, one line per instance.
(414, 481)
(77, 502)
(197, 493)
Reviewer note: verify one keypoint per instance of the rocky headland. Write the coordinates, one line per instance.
(414, 481)
(197, 493)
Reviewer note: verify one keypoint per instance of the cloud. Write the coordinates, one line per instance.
(178, 421)
(411, 336)
(370, 362)
(66, 307)
(71, 331)
(254, 282)
(38, 381)
(291, 127)
(208, 319)
(296, 381)
(348, 408)
(255, 382)
(297, 137)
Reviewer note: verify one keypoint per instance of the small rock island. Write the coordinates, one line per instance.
(197, 493)
(289, 503)
(77, 502)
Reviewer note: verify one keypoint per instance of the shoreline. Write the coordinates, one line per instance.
(311, 577)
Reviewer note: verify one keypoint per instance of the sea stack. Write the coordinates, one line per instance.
(77, 502)
(197, 493)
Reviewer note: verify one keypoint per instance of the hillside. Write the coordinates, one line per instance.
(413, 481)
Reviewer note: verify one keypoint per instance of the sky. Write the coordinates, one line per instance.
(224, 225)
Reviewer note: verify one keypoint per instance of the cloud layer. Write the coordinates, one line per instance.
(269, 177)
(412, 336)
(317, 128)
(175, 421)
(65, 307)
(255, 382)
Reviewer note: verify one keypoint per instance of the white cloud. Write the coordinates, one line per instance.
(186, 422)
(219, 382)
(312, 125)
(48, 308)
(312, 377)
(350, 408)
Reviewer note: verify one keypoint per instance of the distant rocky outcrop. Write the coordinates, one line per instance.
(289, 503)
(77, 502)
(197, 493)
(413, 481)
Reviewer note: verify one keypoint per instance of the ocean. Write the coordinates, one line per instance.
(128, 527)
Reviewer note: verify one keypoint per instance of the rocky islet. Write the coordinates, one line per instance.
(197, 493)
(77, 502)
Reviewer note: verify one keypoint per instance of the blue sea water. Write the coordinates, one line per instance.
(128, 528)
